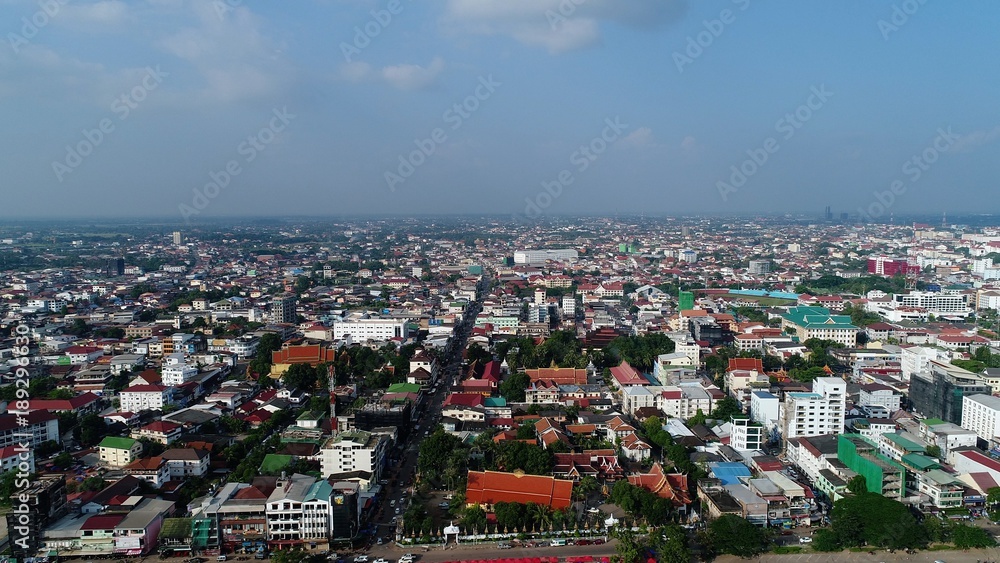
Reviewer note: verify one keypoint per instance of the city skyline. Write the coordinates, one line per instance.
(187, 110)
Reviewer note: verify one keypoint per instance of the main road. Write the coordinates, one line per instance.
(401, 473)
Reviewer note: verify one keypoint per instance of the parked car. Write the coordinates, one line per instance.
(805, 539)
(503, 545)
(598, 541)
(361, 559)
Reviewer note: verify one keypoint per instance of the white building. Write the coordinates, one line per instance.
(138, 398)
(916, 359)
(284, 508)
(876, 394)
(746, 435)
(186, 463)
(178, 374)
(764, 408)
(355, 451)
(817, 413)
(376, 328)
(542, 256)
(981, 414)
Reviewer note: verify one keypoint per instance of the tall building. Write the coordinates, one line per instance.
(759, 267)
(817, 413)
(356, 451)
(178, 238)
(939, 392)
(889, 266)
(981, 414)
(283, 308)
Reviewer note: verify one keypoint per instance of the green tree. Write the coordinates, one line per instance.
(669, 543)
(513, 387)
(971, 537)
(726, 408)
(933, 451)
(858, 485)
(64, 461)
(92, 430)
(474, 518)
(736, 536)
(628, 548)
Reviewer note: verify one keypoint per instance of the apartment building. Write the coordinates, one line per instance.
(816, 413)
(371, 328)
(354, 451)
(939, 391)
(981, 414)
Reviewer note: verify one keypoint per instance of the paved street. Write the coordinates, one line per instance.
(489, 550)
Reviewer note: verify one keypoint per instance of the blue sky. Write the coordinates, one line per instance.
(696, 90)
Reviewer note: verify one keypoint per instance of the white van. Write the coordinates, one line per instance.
(220, 558)
(558, 543)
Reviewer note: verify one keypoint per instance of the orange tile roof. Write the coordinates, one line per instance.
(562, 376)
(491, 487)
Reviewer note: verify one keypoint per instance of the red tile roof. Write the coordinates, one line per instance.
(491, 487)
(561, 376)
(628, 375)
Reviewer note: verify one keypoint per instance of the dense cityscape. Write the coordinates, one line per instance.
(307, 390)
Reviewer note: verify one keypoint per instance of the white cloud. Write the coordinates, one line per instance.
(557, 25)
(233, 56)
(641, 137)
(970, 141)
(97, 16)
(405, 77)
(413, 77)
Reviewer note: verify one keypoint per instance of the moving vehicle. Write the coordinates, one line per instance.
(558, 543)
(503, 545)
(220, 558)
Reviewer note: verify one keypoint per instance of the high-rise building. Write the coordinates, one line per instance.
(817, 413)
(759, 267)
(283, 308)
(939, 392)
(178, 238)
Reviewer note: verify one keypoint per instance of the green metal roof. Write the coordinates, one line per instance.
(320, 490)
(117, 443)
(904, 443)
(403, 388)
(921, 462)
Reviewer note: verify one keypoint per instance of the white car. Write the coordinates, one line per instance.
(381, 560)
(805, 539)
(361, 559)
